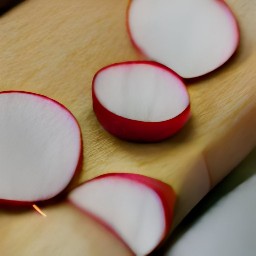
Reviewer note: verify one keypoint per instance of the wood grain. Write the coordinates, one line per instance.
(65, 231)
(55, 47)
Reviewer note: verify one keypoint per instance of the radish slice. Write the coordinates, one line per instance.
(136, 208)
(192, 37)
(40, 147)
(140, 101)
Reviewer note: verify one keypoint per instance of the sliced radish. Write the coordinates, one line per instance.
(192, 37)
(140, 101)
(40, 147)
(136, 208)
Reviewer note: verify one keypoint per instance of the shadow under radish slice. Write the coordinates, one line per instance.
(40, 148)
(192, 37)
(136, 208)
(140, 101)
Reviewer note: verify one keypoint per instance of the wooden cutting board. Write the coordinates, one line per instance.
(54, 48)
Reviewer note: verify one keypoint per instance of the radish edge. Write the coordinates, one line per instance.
(164, 191)
(139, 49)
(114, 123)
(59, 196)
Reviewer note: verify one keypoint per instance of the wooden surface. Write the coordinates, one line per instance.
(245, 172)
(54, 48)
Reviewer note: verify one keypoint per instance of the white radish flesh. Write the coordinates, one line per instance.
(192, 37)
(144, 92)
(40, 147)
(134, 210)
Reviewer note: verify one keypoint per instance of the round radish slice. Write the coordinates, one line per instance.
(136, 208)
(40, 147)
(140, 101)
(192, 37)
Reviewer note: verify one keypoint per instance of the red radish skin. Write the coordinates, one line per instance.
(164, 192)
(233, 46)
(137, 130)
(10, 204)
(135, 45)
(77, 160)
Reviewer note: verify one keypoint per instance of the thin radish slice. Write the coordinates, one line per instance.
(192, 37)
(140, 101)
(136, 208)
(40, 147)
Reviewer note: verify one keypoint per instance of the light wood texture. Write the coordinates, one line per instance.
(55, 47)
(65, 231)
